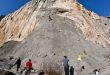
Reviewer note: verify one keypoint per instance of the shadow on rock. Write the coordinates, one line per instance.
(3, 72)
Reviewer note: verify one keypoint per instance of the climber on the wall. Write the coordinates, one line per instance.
(28, 67)
(66, 65)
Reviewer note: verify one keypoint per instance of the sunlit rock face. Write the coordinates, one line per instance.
(46, 30)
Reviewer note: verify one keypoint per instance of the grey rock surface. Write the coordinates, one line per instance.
(51, 29)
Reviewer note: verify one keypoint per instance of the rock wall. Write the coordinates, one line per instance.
(46, 30)
(21, 23)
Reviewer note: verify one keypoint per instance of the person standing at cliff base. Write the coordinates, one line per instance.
(28, 67)
(71, 70)
(66, 65)
(18, 63)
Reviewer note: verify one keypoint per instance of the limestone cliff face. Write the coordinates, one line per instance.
(18, 25)
(49, 29)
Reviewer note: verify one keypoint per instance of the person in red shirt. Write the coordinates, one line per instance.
(28, 67)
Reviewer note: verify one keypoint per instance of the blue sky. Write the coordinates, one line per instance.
(101, 7)
(8, 6)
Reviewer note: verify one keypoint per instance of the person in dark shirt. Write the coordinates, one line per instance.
(71, 70)
(18, 63)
